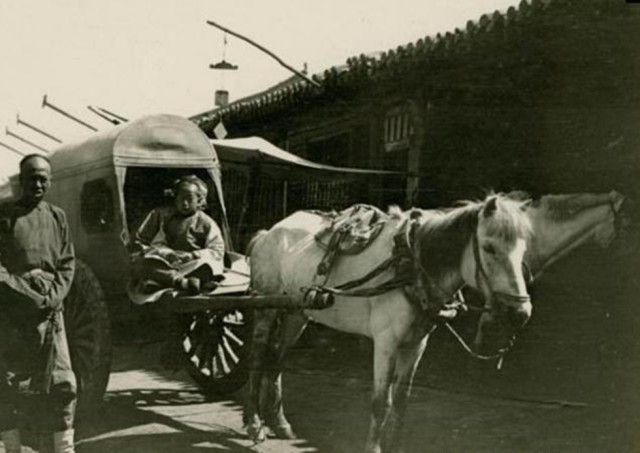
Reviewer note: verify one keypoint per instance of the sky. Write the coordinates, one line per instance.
(138, 57)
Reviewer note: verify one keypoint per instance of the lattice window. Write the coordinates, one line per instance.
(397, 128)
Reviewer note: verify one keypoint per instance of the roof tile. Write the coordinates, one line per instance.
(362, 68)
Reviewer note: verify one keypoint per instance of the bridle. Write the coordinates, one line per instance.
(506, 299)
(481, 277)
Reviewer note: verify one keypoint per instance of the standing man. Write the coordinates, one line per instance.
(37, 264)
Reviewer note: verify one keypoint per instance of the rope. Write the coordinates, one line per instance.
(499, 355)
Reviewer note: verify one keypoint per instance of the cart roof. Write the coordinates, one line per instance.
(256, 150)
(151, 141)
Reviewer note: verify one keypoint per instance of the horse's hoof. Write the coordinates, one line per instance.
(372, 449)
(257, 433)
(284, 432)
(397, 450)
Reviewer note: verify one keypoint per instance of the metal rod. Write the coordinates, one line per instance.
(45, 103)
(11, 148)
(37, 129)
(267, 51)
(103, 116)
(24, 140)
(118, 117)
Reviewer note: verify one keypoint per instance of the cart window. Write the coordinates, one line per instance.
(97, 212)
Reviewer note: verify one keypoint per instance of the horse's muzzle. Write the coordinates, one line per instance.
(517, 309)
(518, 316)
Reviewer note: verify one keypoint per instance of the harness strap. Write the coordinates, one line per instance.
(389, 262)
(401, 254)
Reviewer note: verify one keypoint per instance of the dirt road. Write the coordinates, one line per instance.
(149, 410)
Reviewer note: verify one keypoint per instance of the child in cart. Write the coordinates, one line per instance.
(179, 246)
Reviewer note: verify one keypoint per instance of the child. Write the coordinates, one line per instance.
(180, 233)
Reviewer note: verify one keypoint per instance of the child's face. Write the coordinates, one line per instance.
(187, 199)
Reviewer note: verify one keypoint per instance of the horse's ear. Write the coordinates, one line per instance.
(490, 206)
(526, 205)
(415, 214)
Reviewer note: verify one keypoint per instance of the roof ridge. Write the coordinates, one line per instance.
(365, 65)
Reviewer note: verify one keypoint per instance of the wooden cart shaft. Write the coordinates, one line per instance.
(186, 304)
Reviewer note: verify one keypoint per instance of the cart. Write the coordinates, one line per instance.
(106, 184)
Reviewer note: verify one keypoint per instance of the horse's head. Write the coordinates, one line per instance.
(495, 267)
(481, 245)
(561, 223)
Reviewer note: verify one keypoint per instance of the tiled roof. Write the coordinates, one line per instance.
(364, 69)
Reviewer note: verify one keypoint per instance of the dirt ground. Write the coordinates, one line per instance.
(327, 401)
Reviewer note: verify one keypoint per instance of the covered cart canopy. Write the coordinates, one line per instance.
(252, 151)
(160, 141)
(151, 141)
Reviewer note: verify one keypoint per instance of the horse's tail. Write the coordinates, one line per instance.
(254, 240)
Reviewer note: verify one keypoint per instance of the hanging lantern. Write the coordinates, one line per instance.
(221, 94)
(222, 98)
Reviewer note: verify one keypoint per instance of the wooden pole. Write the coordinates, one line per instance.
(285, 195)
(46, 103)
(103, 116)
(265, 50)
(11, 148)
(21, 122)
(118, 117)
(24, 140)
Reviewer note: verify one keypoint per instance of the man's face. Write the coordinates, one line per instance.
(35, 179)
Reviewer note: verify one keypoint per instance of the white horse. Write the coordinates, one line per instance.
(560, 224)
(480, 244)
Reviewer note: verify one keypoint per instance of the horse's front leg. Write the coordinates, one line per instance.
(384, 352)
(260, 337)
(407, 361)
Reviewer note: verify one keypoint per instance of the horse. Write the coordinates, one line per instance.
(480, 244)
(560, 224)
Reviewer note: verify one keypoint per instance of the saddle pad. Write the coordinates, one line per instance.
(352, 230)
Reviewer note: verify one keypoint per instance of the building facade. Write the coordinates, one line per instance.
(543, 97)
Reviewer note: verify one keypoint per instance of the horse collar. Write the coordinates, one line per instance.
(425, 291)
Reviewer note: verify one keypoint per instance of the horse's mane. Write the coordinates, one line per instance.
(254, 240)
(442, 238)
(563, 207)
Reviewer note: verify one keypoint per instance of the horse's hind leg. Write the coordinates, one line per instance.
(260, 336)
(290, 327)
(384, 351)
(407, 361)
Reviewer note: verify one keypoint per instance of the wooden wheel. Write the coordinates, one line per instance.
(89, 335)
(216, 345)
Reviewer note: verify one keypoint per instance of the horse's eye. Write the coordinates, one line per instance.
(488, 248)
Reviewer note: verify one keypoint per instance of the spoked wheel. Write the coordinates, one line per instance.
(89, 336)
(216, 345)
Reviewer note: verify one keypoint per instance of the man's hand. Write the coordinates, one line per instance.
(184, 257)
(175, 256)
(39, 280)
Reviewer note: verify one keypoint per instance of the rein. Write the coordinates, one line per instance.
(499, 355)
